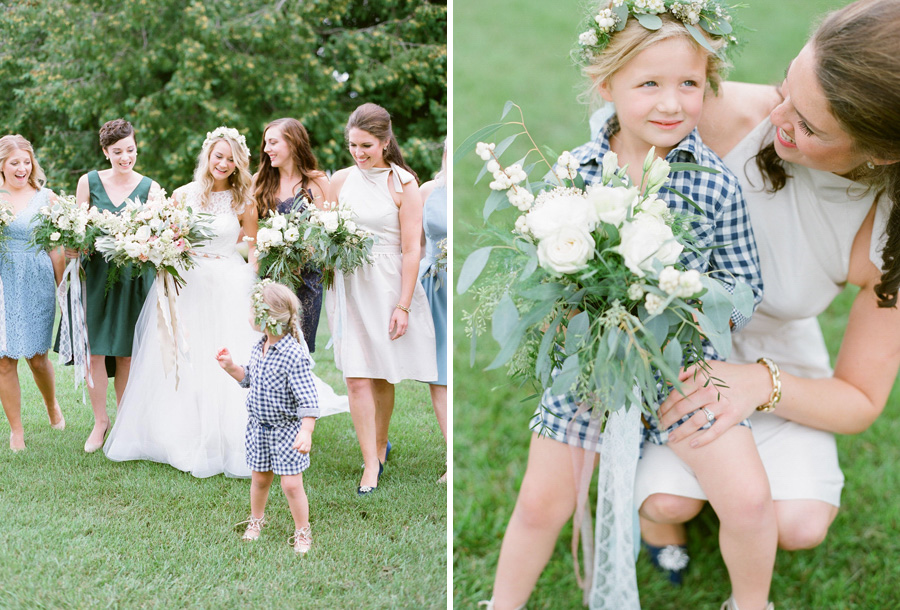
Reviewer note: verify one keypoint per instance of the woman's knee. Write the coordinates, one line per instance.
(8, 366)
(40, 363)
(803, 524)
(667, 508)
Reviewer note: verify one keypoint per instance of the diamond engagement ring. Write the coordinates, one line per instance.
(710, 416)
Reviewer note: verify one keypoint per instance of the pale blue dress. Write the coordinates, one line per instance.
(434, 220)
(29, 289)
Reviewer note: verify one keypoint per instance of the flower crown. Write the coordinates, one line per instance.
(709, 15)
(261, 314)
(226, 132)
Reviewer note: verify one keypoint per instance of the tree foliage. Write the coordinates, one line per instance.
(178, 69)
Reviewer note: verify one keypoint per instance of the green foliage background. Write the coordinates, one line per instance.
(178, 69)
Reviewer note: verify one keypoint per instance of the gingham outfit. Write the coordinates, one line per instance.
(723, 236)
(282, 393)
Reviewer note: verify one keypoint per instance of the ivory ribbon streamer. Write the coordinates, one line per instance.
(2, 319)
(337, 335)
(172, 342)
(614, 585)
(74, 344)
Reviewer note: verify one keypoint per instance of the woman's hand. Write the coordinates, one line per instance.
(746, 386)
(399, 323)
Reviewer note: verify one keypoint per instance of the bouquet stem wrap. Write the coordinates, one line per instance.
(74, 344)
(172, 341)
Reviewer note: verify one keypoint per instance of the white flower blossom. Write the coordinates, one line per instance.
(522, 226)
(612, 203)
(520, 197)
(566, 251)
(493, 167)
(606, 20)
(485, 150)
(588, 38)
(516, 173)
(644, 239)
(668, 280)
(651, 7)
(501, 181)
(55, 236)
(566, 166)
(655, 206)
(291, 234)
(610, 165)
(279, 222)
(657, 175)
(635, 292)
(561, 208)
(653, 303)
(689, 284)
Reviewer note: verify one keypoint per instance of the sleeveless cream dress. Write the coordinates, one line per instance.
(360, 304)
(804, 233)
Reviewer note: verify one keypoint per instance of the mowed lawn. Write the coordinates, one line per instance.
(522, 54)
(80, 531)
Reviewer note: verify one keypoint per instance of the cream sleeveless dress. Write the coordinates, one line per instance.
(360, 304)
(804, 233)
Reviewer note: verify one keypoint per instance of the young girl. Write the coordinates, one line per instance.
(283, 406)
(657, 80)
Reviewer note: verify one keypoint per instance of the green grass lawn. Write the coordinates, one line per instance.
(80, 531)
(523, 56)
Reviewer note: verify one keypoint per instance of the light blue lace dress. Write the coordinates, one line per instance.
(434, 220)
(29, 290)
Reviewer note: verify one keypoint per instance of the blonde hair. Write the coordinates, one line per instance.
(284, 307)
(635, 38)
(11, 143)
(239, 180)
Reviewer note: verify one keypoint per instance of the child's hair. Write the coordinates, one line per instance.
(627, 44)
(8, 144)
(113, 131)
(239, 180)
(284, 307)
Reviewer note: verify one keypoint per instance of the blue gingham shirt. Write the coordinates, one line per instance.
(723, 234)
(282, 389)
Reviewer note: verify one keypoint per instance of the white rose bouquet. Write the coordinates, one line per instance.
(337, 243)
(281, 252)
(161, 234)
(65, 223)
(587, 283)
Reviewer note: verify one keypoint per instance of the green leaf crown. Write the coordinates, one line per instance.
(262, 317)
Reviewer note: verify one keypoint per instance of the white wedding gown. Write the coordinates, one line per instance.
(198, 428)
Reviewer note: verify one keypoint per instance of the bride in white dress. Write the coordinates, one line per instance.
(199, 428)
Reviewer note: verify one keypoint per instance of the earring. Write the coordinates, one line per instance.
(870, 165)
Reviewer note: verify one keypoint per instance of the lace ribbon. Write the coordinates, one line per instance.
(73, 336)
(172, 341)
(614, 585)
(341, 298)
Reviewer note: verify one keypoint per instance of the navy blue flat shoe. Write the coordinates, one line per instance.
(672, 560)
(365, 490)
(387, 451)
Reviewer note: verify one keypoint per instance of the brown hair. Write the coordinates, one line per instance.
(8, 144)
(375, 120)
(857, 54)
(634, 38)
(113, 131)
(268, 178)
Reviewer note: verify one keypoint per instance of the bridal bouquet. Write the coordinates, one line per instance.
(6, 219)
(68, 224)
(281, 252)
(337, 243)
(583, 291)
(161, 234)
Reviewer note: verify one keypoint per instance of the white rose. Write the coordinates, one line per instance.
(132, 249)
(279, 223)
(291, 234)
(156, 254)
(168, 235)
(55, 236)
(143, 233)
(647, 238)
(330, 221)
(612, 203)
(566, 251)
(64, 223)
(568, 210)
(350, 226)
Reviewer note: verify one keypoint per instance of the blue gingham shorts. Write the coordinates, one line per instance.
(269, 448)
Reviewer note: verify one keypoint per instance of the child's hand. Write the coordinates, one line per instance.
(303, 442)
(224, 358)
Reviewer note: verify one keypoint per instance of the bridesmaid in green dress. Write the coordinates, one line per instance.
(112, 315)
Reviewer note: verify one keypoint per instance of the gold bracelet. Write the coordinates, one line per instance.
(401, 307)
(775, 396)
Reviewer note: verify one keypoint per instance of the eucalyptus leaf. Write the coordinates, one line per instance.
(717, 26)
(472, 268)
(509, 105)
(497, 200)
(699, 37)
(716, 302)
(673, 355)
(743, 298)
(469, 143)
(691, 167)
(568, 374)
(543, 364)
(651, 22)
(505, 318)
(621, 12)
(720, 340)
(576, 331)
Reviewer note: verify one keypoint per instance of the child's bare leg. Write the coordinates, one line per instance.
(292, 485)
(546, 502)
(732, 476)
(260, 482)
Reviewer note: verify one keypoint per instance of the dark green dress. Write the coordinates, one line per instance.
(112, 316)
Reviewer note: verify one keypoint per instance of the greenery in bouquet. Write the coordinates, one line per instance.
(337, 243)
(280, 251)
(583, 290)
(6, 219)
(161, 234)
(68, 224)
